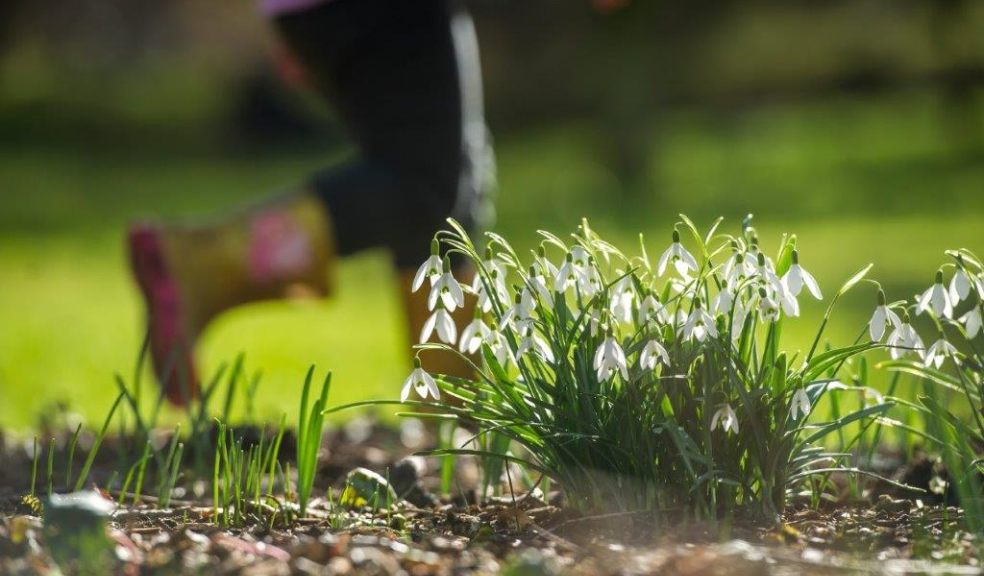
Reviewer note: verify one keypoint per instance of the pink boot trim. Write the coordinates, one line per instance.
(170, 344)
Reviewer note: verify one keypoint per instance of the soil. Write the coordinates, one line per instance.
(528, 533)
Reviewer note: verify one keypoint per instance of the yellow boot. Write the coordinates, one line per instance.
(189, 273)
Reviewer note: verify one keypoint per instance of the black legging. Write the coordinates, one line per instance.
(404, 76)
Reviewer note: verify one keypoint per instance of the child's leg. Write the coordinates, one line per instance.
(406, 79)
(395, 71)
(403, 76)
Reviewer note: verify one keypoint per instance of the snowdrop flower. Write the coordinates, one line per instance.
(738, 319)
(768, 308)
(736, 259)
(726, 418)
(580, 256)
(938, 351)
(567, 276)
(447, 289)
(790, 306)
(519, 312)
(882, 316)
(699, 324)
(960, 284)
(800, 404)
(936, 299)
(594, 321)
(676, 254)
(723, 302)
(543, 265)
(421, 382)
(536, 344)
(738, 273)
(972, 321)
(904, 340)
(490, 263)
(797, 277)
(608, 358)
(622, 298)
(440, 320)
(474, 334)
(651, 354)
(499, 346)
(430, 269)
(500, 292)
(767, 274)
(651, 308)
(539, 284)
(588, 281)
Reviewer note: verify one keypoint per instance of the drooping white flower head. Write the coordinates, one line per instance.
(500, 347)
(532, 342)
(421, 382)
(440, 320)
(938, 351)
(681, 259)
(623, 298)
(500, 292)
(699, 324)
(723, 302)
(796, 277)
(430, 269)
(538, 282)
(904, 340)
(543, 265)
(960, 284)
(972, 321)
(936, 299)
(736, 260)
(726, 418)
(800, 405)
(474, 335)
(652, 354)
(882, 316)
(741, 310)
(520, 312)
(790, 306)
(610, 358)
(580, 256)
(588, 281)
(491, 263)
(766, 273)
(651, 309)
(768, 307)
(739, 272)
(567, 275)
(447, 289)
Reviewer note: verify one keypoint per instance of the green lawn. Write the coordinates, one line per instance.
(857, 181)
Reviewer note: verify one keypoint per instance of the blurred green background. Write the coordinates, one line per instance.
(857, 125)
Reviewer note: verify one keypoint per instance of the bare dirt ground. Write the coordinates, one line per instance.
(524, 534)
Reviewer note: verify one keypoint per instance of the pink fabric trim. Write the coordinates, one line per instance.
(278, 7)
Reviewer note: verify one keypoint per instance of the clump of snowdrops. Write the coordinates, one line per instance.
(949, 358)
(639, 383)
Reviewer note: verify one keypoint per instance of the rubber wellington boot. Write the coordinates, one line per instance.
(415, 304)
(189, 273)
